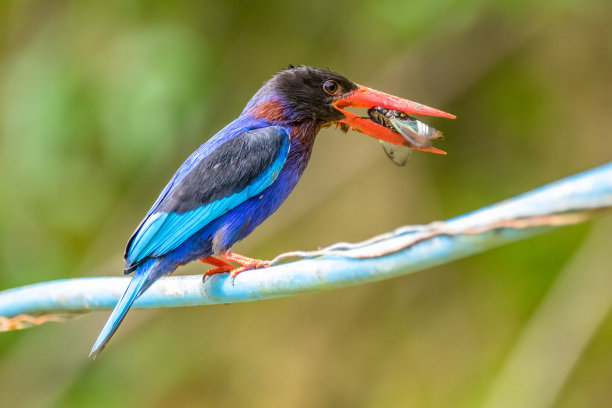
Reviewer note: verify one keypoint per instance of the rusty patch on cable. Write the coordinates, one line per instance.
(549, 220)
(438, 229)
(23, 321)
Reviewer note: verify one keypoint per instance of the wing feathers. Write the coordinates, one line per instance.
(232, 174)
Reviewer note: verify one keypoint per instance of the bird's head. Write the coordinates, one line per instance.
(305, 94)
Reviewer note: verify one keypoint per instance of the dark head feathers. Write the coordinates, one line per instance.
(301, 90)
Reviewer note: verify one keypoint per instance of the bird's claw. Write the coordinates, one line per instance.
(215, 271)
(220, 266)
(248, 267)
(223, 265)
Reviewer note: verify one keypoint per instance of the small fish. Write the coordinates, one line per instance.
(417, 134)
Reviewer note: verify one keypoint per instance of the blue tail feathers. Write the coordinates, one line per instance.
(142, 279)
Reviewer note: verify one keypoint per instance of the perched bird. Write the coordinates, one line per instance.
(240, 176)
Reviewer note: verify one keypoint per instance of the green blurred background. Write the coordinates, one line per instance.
(101, 101)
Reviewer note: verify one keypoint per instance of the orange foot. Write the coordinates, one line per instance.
(223, 265)
(220, 266)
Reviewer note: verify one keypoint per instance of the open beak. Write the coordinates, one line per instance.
(368, 98)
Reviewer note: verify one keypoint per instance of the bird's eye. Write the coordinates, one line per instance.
(331, 87)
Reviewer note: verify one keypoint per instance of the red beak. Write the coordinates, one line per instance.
(368, 98)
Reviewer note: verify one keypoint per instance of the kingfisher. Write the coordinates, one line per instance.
(241, 175)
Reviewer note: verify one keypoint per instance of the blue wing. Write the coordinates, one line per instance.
(227, 176)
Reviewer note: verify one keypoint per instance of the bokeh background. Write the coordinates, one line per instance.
(101, 101)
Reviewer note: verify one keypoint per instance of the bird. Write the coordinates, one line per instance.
(241, 175)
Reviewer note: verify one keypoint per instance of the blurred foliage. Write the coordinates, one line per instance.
(101, 101)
